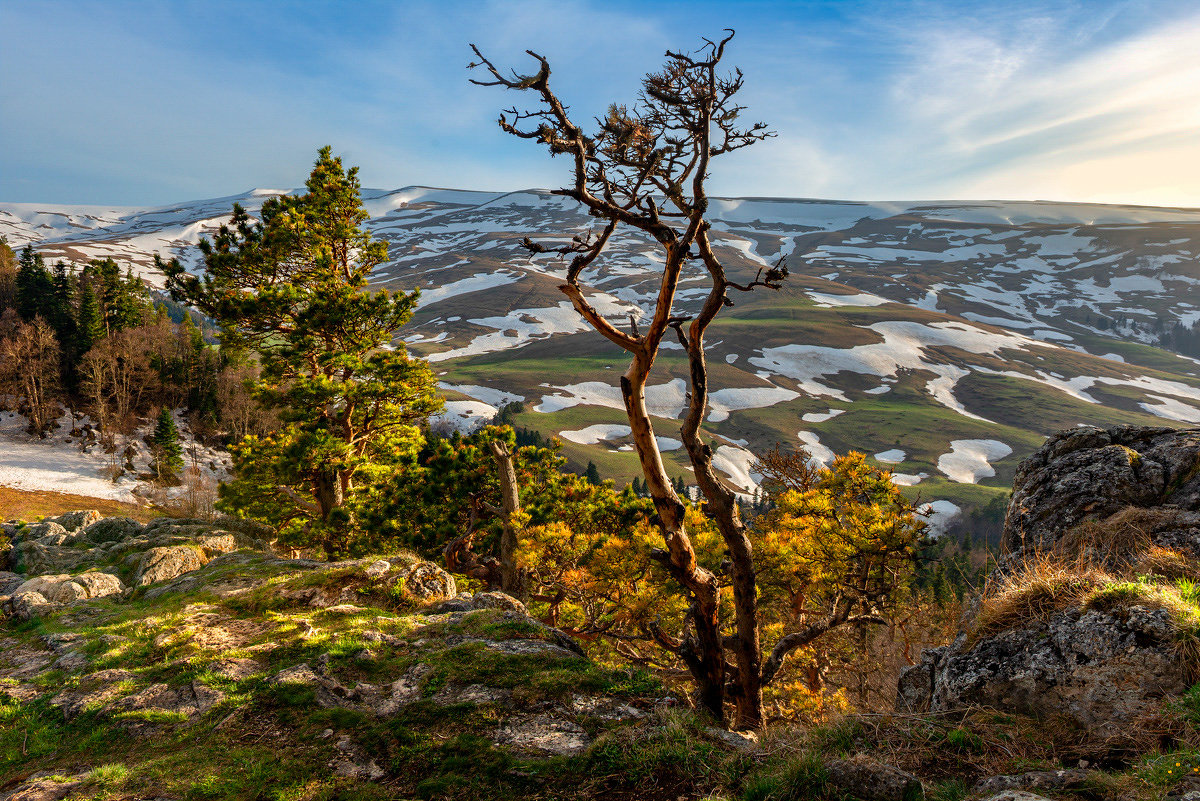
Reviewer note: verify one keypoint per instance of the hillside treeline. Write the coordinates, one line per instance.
(92, 340)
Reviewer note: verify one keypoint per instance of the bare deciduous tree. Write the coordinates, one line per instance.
(645, 167)
(29, 368)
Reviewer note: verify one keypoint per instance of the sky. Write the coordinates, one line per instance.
(148, 103)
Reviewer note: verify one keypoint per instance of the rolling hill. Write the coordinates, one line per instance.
(946, 339)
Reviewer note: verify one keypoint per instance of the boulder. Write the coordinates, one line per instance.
(47, 528)
(72, 522)
(1102, 671)
(9, 582)
(1036, 780)
(99, 585)
(26, 606)
(426, 581)
(55, 589)
(35, 559)
(1089, 473)
(870, 780)
(111, 529)
(166, 563)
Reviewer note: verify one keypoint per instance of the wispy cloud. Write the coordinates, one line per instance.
(123, 101)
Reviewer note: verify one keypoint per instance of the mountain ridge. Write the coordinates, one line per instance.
(934, 334)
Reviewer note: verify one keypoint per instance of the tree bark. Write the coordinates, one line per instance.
(705, 657)
(511, 579)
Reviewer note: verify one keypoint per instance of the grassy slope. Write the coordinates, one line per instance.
(30, 504)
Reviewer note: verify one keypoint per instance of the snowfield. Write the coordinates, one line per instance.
(969, 459)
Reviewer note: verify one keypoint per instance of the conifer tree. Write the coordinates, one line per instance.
(89, 321)
(35, 288)
(592, 474)
(168, 454)
(293, 287)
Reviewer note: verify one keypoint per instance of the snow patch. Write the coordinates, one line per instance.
(969, 459)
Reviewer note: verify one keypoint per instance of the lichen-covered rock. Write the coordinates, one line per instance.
(427, 582)
(166, 563)
(72, 522)
(111, 529)
(1090, 473)
(35, 559)
(1102, 671)
(9, 582)
(871, 780)
(65, 589)
(1036, 780)
(26, 606)
(542, 734)
(47, 528)
(44, 786)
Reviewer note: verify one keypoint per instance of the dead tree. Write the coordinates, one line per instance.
(645, 167)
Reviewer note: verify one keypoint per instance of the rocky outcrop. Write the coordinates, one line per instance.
(1111, 500)
(1101, 672)
(79, 557)
(870, 780)
(1089, 474)
(166, 563)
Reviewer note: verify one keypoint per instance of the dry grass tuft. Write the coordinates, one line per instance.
(1115, 540)
(1168, 563)
(1039, 589)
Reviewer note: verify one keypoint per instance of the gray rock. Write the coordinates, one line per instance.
(27, 606)
(44, 786)
(542, 734)
(1090, 473)
(55, 589)
(426, 581)
(870, 780)
(72, 522)
(9, 582)
(190, 700)
(65, 589)
(47, 528)
(35, 559)
(378, 569)
(1101, 671)
(1016, 795)
(112, 529)
(1035, 780)
(166, 563)
(744, 741)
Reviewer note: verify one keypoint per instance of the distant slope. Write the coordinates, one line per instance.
(947, 338)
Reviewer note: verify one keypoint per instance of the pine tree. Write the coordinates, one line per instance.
(592, 474)
(89, 324)
(168, 454)
(35, 288)
(293, 287)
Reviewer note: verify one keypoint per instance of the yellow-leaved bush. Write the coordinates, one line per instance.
(837, 543)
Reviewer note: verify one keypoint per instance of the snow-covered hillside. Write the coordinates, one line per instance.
(947, 338)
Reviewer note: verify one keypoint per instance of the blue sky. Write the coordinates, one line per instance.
(140, 103)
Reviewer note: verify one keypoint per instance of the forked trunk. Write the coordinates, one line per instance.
(723, 509)
(705, 654)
